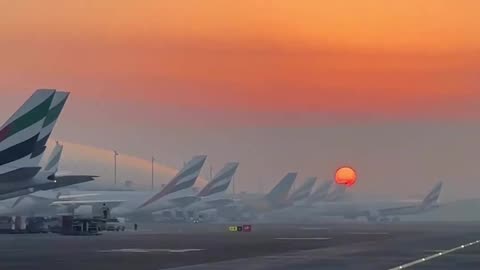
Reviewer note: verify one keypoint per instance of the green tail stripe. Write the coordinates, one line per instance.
(54, 113)
(31, 117)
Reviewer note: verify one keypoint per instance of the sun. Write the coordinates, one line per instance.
(346, 176)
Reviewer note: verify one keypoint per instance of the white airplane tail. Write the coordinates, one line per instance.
(304, 191)
(337, 193)
(432, 197)
(19, 136)
(220, 181)
(55, 109)
(321, 193)
(184, 179)
(279, 193)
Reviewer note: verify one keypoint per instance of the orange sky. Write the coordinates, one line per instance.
(378, 57)
(132, 64)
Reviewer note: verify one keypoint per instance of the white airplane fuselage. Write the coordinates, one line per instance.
(210, 202)
(40, 202)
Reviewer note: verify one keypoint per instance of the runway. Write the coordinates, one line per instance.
(201, 246)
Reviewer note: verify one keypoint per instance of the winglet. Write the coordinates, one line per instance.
(54, 159)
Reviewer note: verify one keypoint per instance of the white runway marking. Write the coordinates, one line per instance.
(368, 233)
(302, 238)
(184, 250)
(126, 250)
(313, 228)
(130, 231)
(139, 250)
(436, 255)
(434, 251)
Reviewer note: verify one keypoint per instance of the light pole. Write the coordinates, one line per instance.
(153, 165)
(115, 154)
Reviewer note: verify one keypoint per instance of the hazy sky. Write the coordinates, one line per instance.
(390, 87)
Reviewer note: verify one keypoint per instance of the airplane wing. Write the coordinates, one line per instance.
(66, 180)
(37, 199)
(184, 201)
(220, 202)
(110, 203)
(74, 196)
(236, 202)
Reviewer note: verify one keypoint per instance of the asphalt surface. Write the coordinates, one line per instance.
(201, 246)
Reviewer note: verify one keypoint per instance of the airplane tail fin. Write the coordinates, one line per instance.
(184, 179)
(280, 192)
(337, 193)
(54, 159)
(220, 181)
(19, 135)
(304, 190)
(53, 114)
(433, 196)
(321, 193)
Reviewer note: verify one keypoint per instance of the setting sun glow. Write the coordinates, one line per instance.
(346, 176)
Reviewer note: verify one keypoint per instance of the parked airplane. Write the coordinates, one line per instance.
(57, 180)
(429, 203)
(378, 210)
(212, 196)
(143, 203)
(251, 208)
(17, 203)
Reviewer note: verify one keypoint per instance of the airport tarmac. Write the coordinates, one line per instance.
(201, 246)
